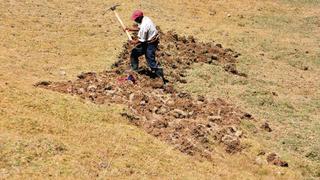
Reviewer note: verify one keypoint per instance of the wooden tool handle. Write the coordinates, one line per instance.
(123, 26)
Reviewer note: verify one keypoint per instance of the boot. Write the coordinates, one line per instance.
(160, 74)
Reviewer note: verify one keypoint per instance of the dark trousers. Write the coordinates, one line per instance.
(149, 50)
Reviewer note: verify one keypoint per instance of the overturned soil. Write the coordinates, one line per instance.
(192, 124)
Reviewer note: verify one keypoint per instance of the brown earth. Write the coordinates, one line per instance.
(274, 159)
(192, 124)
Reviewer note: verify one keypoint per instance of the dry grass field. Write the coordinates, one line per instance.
(45, 134)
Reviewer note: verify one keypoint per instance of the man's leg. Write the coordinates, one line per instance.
(134, 57)
(151, 59)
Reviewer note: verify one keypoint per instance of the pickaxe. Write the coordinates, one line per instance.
(113, 8)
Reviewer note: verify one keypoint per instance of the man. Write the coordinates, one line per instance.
(146, 44)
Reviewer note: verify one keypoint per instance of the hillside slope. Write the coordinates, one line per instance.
(49, 134)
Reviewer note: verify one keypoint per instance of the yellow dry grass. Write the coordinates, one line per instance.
(44, 134)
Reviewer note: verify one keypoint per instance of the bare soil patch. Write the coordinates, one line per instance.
(194, 125)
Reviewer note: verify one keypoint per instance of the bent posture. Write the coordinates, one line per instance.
(146, 44)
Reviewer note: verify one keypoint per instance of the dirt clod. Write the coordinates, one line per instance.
(265, 126)
(42, 83)
(274, 159)
(232, 144)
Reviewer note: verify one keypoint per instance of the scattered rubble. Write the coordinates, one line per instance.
(177, 53)
(192, 124)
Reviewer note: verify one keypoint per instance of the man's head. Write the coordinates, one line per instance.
(137, 16)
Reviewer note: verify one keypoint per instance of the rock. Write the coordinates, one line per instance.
(214, 118)
(237, 55)
(231, 68)
(204, 51)
(274, 159)
(265, 126)
(162, 110)
(92, 88)
(142, 103)
(232, 144)
(232, 129)
(184, 95)
(154, 109)
(212, 127)
(160, 124)
(182, 74)
(43, 83)
(209, 61)
(103, 165)
(228, 50)
(174, 66)
(110, 92)
(305, 68)
(81, 91)
(176, 37)
(177, 113)
(84, 75)
(182, 81)
(214, 57)
(219, 45)
(261, 153)
(191, 39)
(238, 133)
(69, 89)
(246, 116)
(108, 87)
(201, 98)
(130, 116)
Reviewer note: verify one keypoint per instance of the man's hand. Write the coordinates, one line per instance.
(131, 29)
(127, 29)
(134, 42)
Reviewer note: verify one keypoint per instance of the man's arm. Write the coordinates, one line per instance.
(134, 28)
(134, 41)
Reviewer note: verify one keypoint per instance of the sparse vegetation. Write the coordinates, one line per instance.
(46, 134)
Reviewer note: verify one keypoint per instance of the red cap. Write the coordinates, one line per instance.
(136, 14)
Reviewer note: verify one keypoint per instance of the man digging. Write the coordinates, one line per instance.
(146, 44)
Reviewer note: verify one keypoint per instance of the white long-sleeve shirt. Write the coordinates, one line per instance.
(147, 30)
